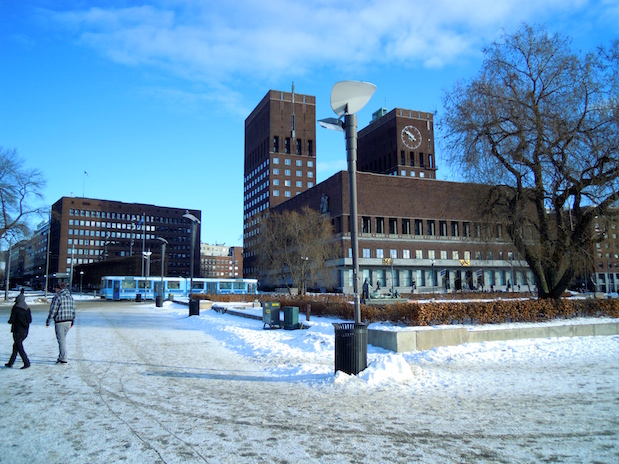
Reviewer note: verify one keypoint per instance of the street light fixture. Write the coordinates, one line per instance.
(194, 307)
(348, 97)
(81, 277)
(159, 298)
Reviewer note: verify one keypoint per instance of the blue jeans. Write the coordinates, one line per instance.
(61, 335)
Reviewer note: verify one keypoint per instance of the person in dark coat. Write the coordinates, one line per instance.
(20, 320)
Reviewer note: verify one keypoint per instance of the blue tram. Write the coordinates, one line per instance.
(129, 287)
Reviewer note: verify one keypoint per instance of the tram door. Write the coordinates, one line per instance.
(116, 290)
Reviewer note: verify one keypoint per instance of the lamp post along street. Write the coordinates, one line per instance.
(159, 298)
(348, 97)
(194, 309)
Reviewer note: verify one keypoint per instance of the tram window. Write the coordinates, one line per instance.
(174, 285)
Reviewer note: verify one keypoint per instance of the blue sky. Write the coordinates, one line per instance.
(150, 98)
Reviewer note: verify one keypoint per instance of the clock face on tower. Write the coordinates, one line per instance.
(411, 137)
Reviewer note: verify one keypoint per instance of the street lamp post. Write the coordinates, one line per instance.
(194, 306)
(81, 280)
(348, 97)
(433, 278)
(159, 298)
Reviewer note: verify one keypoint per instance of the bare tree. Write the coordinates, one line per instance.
(540, 124)
(19, 187)
(294, 247)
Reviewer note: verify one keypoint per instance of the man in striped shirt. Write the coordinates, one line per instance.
(62, 311)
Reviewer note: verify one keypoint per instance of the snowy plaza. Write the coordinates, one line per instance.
(153, 385)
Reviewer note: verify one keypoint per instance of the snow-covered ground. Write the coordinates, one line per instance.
(147, 384)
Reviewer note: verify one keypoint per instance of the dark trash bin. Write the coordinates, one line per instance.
(138, 297)
(159, 301)
(351, 347)
(270, 315)
(291, 317)
(194, 307)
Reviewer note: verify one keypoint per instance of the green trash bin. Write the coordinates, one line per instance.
(291, 317)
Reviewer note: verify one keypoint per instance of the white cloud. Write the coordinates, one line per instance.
(215, 42)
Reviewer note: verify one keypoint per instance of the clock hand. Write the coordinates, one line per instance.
(410, 136)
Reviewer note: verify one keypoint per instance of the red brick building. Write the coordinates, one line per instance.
(87, 231)
(280, 159)
(415, 234)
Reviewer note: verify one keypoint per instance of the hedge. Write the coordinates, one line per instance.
(413, 313)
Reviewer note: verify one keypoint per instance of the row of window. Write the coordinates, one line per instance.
(403, 173)
(288, 172)
(309, 147)
(299, 162)
(411, 159)
(432, 254)
(288, 183)
(114, 225)
(425, 278)
(109, 235)
(445, 228)
(126, 217)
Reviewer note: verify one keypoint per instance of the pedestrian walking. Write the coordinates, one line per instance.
(20, 320)
(62, 311)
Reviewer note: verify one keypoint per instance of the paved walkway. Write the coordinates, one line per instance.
(142, 386)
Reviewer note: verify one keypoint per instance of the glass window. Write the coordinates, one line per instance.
(454, 229)
(419, 254)
(393, 253)
(380, 253)
(299, 173)
(380, 225)
(393, 226)
(287, 172)
(299, 163)
(406, 254)
(275, 160)
(287, 161)
(406, 226)
(275, 171)
(366, 252)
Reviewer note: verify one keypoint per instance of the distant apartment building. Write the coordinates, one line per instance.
(221, 261)
(89, 232)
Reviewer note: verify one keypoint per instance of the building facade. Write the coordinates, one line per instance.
(87, 231)
(280, 159)
(221, 261)
(415, 234)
